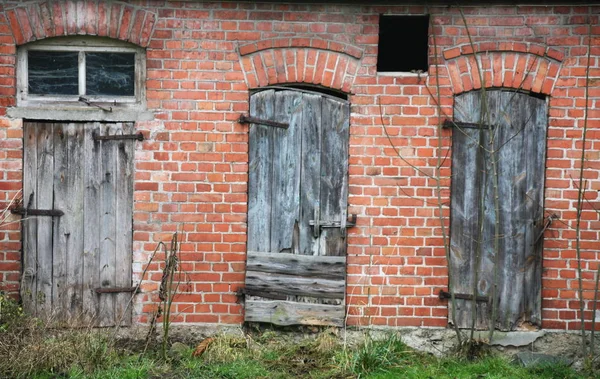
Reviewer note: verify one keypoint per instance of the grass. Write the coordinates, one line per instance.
(31, 350)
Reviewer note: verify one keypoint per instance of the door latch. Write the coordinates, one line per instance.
(318, 224)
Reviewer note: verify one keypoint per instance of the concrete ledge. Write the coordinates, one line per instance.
(79, 114)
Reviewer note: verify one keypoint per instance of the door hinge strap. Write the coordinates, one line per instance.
(463, 296)
(465, 125)
(253, 120)
(37, 212)
(137, 136)
(115, 289)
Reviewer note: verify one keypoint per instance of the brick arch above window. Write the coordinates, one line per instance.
(299, 61)
(117, 20)
(526, 66)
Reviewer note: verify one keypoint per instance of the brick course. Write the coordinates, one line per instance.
(191, 171)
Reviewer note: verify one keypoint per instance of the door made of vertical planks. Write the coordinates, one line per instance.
(297, 209)
(67, 258)
(510, 126)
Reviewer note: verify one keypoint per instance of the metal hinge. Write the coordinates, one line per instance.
(253, 120)
(463, 296)
(137, 136)
(37, 212)
(318, 224)
(115, 289)
(465, 125)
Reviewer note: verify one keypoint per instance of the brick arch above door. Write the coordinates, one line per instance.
(296, 64)
(117, 20)
(525, 66)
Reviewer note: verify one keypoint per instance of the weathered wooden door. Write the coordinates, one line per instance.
(75, 265)
(516, 131)
(297, 209)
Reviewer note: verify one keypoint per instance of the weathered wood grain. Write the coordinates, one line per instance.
(73, 223)
(285, 205)
(291, 313)
(30, 224)
(91, 219)
(295, 285)
(310, 175)
(519, 140)
(291, 264)
(124, 222)
(260, 174)
(334, 174)
(108, 225)
(57, 255)
(306, 171)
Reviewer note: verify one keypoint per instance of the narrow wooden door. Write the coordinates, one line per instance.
(70, 261)
(514, 127)
(297, 209)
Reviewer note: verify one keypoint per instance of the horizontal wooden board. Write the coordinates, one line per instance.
(294, 285)
(291, 313)
(324, 267)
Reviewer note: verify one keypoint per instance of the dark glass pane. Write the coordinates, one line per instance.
(110, 74)
(52, 72)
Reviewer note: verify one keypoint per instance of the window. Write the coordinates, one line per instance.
(403, 44)
(86, 71)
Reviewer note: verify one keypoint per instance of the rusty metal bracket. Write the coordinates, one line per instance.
(254, 120)
(115, 289)
(463, 296)
(549, 220)
(465, 125)
(37, 212)
(89, 103)
(317, 224)
(138, 137)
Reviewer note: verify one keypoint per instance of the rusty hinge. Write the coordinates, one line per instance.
(463, 296)
(115, 289)
(549, 220)
(465, 125)
(37, 212)
(138, 136)
(253, 120)
(92, 104)
(318, 224)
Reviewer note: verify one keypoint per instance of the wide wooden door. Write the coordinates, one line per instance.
(77, 233)
(498, 251)
(297, 208)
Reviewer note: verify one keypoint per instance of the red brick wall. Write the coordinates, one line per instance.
(191, 172)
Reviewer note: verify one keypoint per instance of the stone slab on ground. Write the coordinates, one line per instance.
(530, 359)
(511, 338)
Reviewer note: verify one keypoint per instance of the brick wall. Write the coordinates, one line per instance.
(191, 172)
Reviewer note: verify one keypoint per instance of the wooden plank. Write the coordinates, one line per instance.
(260, 173)
(74, 228)
(520, 138)
(108, 153)
(295, 285)
(91, 237)
(335, 116)
(467, 189)
(30, 225)
(59, 258)
(291, 264)
(310, 176)
(290, 313)
(536, 145)
(285, 185)
(124, 222)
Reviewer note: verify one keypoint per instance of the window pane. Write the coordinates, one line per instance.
(52, 72)
(110, 74)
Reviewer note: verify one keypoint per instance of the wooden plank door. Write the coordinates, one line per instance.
(518, 133)
(297, 209)
(68, 258)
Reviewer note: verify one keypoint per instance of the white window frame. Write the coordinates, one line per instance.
(102, 107)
